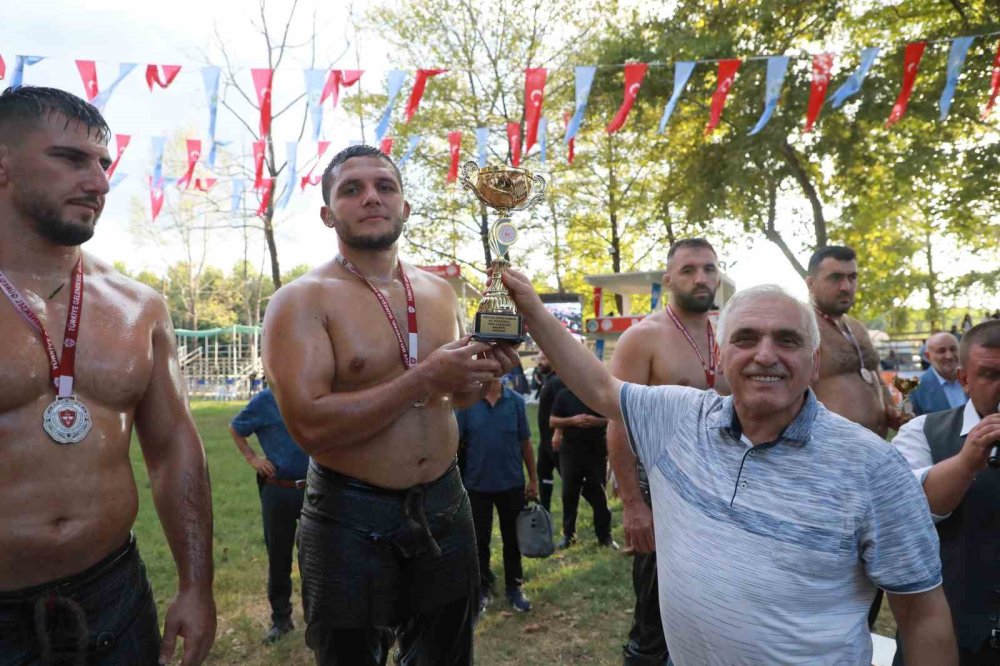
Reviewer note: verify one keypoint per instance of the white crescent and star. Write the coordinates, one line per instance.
(536, 97)
(633, 90)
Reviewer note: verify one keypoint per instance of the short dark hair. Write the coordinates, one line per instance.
(30, 104)
(694, 243)
(986, 334)
(838, 252)
(359, 150)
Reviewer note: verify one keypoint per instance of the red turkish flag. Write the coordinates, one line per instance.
(170, 73)
(386, 145)
(121, 140)
(155, 197)
(194, 154)
(822, 64)
(572, 142)
(262, 79)
(310, 179)
(995, 84)
(265, 196)
(336, 79)
(634, 74)
(514, 139)
(726, 75)
(418, 91)
(534, 95)
(911, 60)
(3, 69)
(88, 72)
(258, 164)
(205, 184)
(454, 146)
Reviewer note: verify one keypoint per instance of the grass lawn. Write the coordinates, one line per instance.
(582, 597)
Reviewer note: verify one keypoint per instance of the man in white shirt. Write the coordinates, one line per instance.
(948, 452)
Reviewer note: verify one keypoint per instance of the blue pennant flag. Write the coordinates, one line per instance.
(116, 178)
(599, 349)
(956, 60)
(543, 126)
(414, 140)
(655, 295)
(315, 80)
(17, 76)
(158, 143)
(102, 98)
(482, 141)
(584, 80)
(210, 75)
(682, 72)
(239, 185)
(292, 149)
(395, 83)
(853, 83)
(777, 67)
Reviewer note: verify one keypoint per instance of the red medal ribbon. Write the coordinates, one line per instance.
(847, 334)
(61, 372)
(409, 357)
(714, 348)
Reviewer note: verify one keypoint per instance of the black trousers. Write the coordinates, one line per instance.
(280, 509)
(584, 471)
(547, 463)
(508, 504)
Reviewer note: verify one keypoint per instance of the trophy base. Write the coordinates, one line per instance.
(498, 327)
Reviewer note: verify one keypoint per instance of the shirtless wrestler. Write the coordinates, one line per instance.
(72, 586)
(367, 384)
(849, 382)
(672, 346)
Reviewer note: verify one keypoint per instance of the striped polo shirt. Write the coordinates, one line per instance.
(771, 554)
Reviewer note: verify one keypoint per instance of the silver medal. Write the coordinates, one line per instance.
(66, 420)
(867, 375)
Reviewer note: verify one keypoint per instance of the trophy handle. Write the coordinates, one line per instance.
(538, 186)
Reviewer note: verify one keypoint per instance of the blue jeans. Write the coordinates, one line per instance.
(280, 509)
(102, 616)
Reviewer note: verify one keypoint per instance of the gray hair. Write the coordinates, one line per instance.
(765, 291)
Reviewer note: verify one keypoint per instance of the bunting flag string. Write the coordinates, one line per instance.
(482, 144)
(156, 196)
(852, 85)
(584, 81)
(956, 61)
(236, 199)
(635, 72)
(682, 72)
(571, 142)
(386, 145)
(994, 84)
(121, 142)
(205, 184)
(20, 62)
(170, 73)
(262, 80)
(339, 78)
(726, 74)
(911, 61)
(454, 147)
(543, 126)
(266, 189)
(193, 155)
(410, 148)
(3, 68)
(210, 76)
(514, 141)
(309, 179)
(124, 69)
(314, 98)
(777, 67)
(395, 84)
(258, 164)
(88, 72)
(158, 143)
(418, 91)
(822, 64)
(291, 152)
(534, 94)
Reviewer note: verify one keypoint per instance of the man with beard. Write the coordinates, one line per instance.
(672, 346)
(73, 588)
(849, 383)
(366, 365)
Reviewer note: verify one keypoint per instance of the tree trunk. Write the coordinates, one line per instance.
(795, 166)
(933, 310)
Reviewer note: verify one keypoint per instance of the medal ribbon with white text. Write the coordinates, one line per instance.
(409, 357)
(62, 370)
(713, 353)
(846, 332)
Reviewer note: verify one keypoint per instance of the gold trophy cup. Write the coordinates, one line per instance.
(906, 386)
(503, 189)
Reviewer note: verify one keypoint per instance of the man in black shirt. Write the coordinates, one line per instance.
(580, 437)
(548, 460)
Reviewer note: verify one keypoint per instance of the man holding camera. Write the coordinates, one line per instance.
(949, 452)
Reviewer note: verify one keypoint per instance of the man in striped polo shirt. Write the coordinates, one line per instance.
(775, 518)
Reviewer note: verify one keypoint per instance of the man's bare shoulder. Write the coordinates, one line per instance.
(126, 292)
(307, 288)
(650, 328)
(428, 280)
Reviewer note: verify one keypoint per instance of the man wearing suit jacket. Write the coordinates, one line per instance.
(939, 387)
